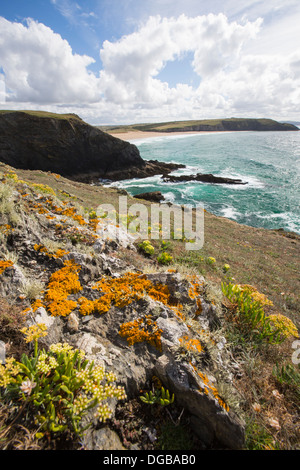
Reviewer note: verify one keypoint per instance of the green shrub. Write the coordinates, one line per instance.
(288, 375)
(165, 258)
(160, 396)
(250, 313)
(147, 248)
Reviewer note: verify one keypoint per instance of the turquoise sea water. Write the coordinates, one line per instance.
(268, 161)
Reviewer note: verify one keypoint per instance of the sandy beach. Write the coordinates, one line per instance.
(136, 135)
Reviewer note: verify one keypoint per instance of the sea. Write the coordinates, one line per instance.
(268, 162)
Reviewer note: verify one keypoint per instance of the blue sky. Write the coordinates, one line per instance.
(125, 61)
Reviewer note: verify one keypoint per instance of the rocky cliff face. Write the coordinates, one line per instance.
(68, 146)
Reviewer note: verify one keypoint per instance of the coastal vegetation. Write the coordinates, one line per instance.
(251, 279)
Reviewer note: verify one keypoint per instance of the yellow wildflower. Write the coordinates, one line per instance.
(282, 323)
(34, 332)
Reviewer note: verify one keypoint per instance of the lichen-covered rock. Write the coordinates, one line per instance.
(196, 391)
(136, 324)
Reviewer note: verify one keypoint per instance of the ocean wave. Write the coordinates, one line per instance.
(286, 220)
(170, 197)
(230, 213)
(268, 166)
(252, 181)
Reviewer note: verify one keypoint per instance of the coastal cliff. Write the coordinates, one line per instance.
(66, 145)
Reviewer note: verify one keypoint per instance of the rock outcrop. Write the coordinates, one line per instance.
(203, 178)
(136, 324)
(153, 196)
(66, 145)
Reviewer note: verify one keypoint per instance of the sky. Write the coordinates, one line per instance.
(137, 61)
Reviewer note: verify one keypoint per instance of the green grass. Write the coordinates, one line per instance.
(42, 114)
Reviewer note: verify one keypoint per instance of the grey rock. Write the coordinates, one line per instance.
(2, 352)
(211, 420)
(102, 439)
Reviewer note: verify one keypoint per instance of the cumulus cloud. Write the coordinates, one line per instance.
(40, 67)
(133, 62)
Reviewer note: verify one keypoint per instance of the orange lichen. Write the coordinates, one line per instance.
(124, 290)
(62, 283)
(142, 329)
(88, 307)
(58, 254)
(195, 292)
(208, 387)
(5, 229)
(191, 344)
(93, 223)
(4, 265)
(37, 304)
(34, 306)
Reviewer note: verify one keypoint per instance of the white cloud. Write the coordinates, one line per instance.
(131, 64)
(40, 68)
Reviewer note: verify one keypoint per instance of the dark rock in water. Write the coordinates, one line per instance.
(66, 145)
(154, 196)
(204, 178)
(150, 168)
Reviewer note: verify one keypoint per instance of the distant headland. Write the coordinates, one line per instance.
(205, 125)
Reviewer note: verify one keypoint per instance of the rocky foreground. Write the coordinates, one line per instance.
(138, 325)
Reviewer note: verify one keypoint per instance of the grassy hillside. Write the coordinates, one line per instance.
(43, 114)
(204, 124)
